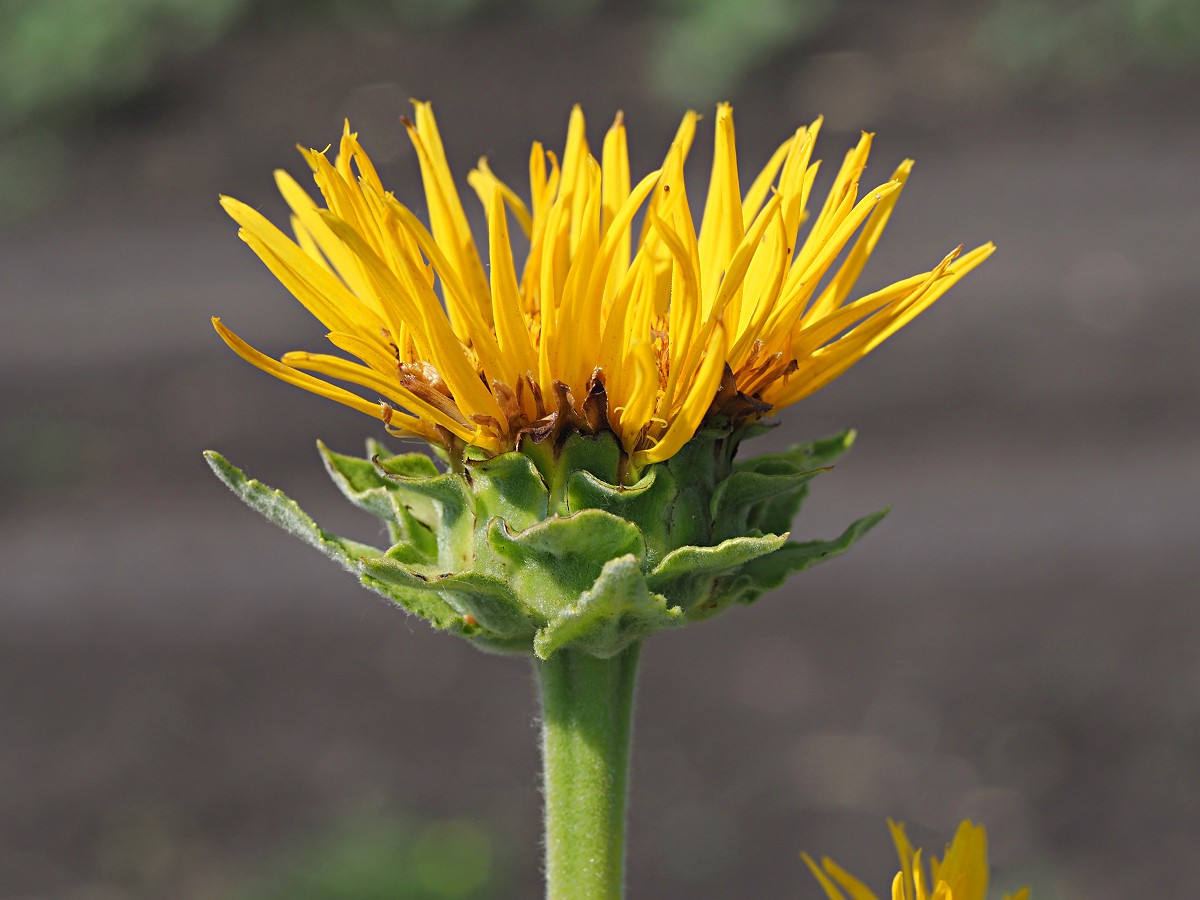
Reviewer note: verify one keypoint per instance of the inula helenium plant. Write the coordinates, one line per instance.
(961, 874)
(587, 410)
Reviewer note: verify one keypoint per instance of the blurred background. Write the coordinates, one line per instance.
(193, 705)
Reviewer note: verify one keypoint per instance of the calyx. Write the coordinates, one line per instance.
(558, 544)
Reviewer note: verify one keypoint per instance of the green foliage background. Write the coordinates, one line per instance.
(387, 858)
(66, 58)
(63, 63)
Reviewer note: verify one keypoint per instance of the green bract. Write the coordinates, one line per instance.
(557, 545)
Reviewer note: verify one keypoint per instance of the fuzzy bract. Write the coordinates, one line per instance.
(557, 545)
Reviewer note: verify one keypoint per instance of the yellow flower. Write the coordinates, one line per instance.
(961, 875)
(642, 329)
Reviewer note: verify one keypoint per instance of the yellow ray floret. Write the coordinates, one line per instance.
(609, 325)
(961, 875)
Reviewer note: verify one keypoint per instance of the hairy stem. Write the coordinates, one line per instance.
(587, 710)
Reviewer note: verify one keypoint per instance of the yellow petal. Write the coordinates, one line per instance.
(616, 181)
(446, 215)
(661, 318)
(698, 397)
(484, 181)
(855, 888)
(294, 377)
(721, 226)
(440, 412)
(904, 850)
(835, 294)
(512, 334)
(761, 186)
(312, 284)
(829, 887)
(442, 348)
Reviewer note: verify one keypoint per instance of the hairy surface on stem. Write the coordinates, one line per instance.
(587, 712)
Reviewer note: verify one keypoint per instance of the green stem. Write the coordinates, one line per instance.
(587, 710)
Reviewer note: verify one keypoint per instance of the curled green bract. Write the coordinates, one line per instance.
(560, 546)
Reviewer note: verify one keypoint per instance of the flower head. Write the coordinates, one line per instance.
(961, 875)
(647, 330)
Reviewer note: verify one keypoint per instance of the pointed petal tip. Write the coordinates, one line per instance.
(222, 330)
(886, 189)
(310, 155)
